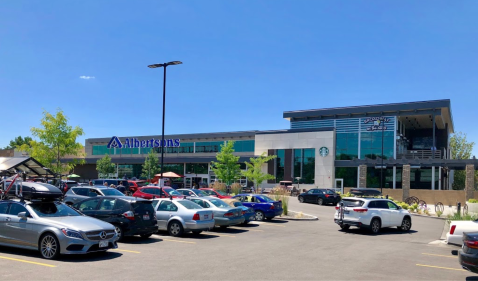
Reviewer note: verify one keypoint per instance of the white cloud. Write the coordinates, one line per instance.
(87, 77)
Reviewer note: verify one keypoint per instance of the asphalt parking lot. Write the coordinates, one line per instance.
(277, 250)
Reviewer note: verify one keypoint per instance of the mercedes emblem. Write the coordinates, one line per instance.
(103, 234)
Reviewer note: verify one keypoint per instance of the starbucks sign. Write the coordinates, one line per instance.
(323, 151)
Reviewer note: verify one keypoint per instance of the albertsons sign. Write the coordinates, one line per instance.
(115, 142)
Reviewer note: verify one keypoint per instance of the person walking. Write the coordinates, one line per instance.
(121, 188)
(105, 184)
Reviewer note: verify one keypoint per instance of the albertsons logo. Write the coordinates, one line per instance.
(115, 142)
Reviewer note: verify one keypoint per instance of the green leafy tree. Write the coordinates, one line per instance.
(460, 148)
(104, 166)
(150, 166)
(19, 141)
(254, 169)
(226, 168)
(56, 140)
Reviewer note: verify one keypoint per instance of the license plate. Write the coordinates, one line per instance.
(103, 244)
(206, 216)
(145, 217)
(346, 212)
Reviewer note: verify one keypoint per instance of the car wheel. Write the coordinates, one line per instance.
(196, 232)
(49, 247)
(301, 199)
(175, 229)
(406, 224)
(375, 226)
(344, 226)
(259, 216)
(320, 201)
(146, 235)
(119, 233)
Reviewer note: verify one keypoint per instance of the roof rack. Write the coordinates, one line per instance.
(28, 190)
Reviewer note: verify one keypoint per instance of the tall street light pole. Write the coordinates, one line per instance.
(164, 65)
(381, 170)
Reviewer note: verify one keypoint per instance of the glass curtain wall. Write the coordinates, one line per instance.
(347, 146)
(280, 160)
(371, 145)
(348, 174)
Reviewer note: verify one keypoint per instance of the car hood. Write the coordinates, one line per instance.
(79, 223)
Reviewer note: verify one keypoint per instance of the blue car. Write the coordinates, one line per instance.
(248, 213)
(264, 207)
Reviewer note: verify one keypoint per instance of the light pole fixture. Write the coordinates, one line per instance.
(163, 65)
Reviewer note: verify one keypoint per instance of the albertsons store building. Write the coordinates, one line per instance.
(323, 148)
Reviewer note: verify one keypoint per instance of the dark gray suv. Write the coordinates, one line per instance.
(79, 193)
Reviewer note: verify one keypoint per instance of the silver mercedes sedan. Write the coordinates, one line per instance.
(180, 215)
(53, 228)
(224, 215)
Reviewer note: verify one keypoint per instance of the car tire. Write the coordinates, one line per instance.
(175, 228)
(145, 236)
(120, 232)
(196, 232)
(375, 226)
(49, 246)
(260, 216)
(345, 227)
(301, 199)
(406, 224)
(320, 201)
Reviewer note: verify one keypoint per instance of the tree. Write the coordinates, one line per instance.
(19, 141)
(56, 140)
(254, 169)
(150, 166)
(226, 168)
(460, 148)
(104, 166)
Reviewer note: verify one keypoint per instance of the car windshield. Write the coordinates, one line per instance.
(172, 192)
(264, 198)
(53, 209)
(200, 193)
(111, 192)
(221, 192)
(189, 205)
(219, 203)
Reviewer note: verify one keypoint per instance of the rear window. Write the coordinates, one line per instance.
(219, 203)
(111, 192)
(189, 205)
(141, 206)
(328, 191)
(352, 203)
(140, 184)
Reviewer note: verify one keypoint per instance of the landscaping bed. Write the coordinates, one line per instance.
(297, 216)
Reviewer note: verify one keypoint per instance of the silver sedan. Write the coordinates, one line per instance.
(179, 215)
(53, 228)
(224, 215)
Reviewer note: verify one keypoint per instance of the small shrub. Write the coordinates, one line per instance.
(348, 194)
(299, 215)
(461, 217)
(281, 194)
(219, 186)
(472, 201)
(427, 211)
(404, 205)
(439, 213)
(419, 211)
(236, 188)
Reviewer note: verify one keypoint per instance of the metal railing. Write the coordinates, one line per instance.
(421, 154)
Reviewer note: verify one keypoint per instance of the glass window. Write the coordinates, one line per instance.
(352, 203)
(197, 168)
(89, 205)
(219, 203)
(15, 209)
(167, 205)
(382, 204)
(189, 205)
(392, 206)
(53, 209)
(111, 192)
(280, 165)
(107, 204)
(264, 198)
(372, 205)
(102, 150)
(93, 192)
(3, 208)
(348, 174)
(122, 205)
(186, 147)
(208, 146)
(80, 191)
(244, 146)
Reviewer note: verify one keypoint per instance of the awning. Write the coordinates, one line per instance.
(169, 175)
(29, 165)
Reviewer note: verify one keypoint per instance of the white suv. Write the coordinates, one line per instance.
(372, 213)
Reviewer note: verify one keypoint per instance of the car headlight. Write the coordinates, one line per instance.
(71, 233)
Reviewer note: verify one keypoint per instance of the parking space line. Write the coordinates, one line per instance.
(170, 240)
(219, 234)
(25, 261)
(246, 229)
(128, 251)
(433, 266)
(271, 224)
(453, 257)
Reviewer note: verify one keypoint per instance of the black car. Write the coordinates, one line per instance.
(468, 255)
(130, 215)
(319, 196)
(365, 192)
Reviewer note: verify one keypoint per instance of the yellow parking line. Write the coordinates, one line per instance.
(225, 235)
(453, 257)
(246, 229)
(271, 224)
(25, 261)
(128, 251)
(432, 266)
(187, 242)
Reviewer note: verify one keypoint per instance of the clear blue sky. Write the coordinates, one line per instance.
(245, 62)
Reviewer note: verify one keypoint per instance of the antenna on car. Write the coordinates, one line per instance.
(185, 196)
(171, 197)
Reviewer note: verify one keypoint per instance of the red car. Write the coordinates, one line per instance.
(217, 193)
(147, 192)
(134, 185)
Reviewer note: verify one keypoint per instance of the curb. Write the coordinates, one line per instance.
(417, 215)
(313, 218)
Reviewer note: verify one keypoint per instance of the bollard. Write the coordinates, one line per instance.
(386, 196)
(458, 207)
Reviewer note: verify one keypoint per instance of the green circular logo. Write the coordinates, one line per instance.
(323, 151)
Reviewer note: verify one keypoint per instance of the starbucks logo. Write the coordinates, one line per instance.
(323, 151)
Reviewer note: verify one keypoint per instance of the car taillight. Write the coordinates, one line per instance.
(360, 210)
(243, 212)
(452, 229)
(227, 215)
(196, 217)
(212, 215)
(272, 206)
(337, 207)
(129, 215)
(471, 244)
(327, 196)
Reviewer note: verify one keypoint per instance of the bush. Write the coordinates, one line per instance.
(461, 217)
(281, 194)
(413, 207)
(404, 205)
(348, 194)
(439, 213)
(472, 201)
(219, 186)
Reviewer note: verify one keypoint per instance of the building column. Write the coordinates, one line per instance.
(433, 177)
(439, 178)
(470, 181)
(405, 182)
(394, 177)
(363, 176)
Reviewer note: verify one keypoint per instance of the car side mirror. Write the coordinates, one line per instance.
(22, 215)
(399, 207)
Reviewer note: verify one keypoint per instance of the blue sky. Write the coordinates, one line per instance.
(245, 62)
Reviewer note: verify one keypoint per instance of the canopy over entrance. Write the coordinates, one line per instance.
(30, 166)
(169, 175)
